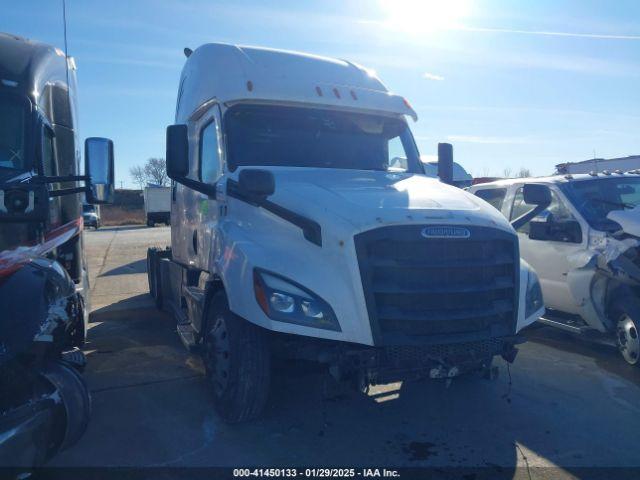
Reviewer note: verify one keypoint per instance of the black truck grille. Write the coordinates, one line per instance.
(426, 290)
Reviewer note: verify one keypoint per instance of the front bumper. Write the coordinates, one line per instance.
(391, 363)
(396, 363)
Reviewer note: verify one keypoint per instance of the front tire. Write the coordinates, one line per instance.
(237, 361)
(627, 326)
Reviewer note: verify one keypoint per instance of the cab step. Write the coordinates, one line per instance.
(188, 336)
(567, 323)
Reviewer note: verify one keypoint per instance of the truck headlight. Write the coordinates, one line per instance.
(533, 298)
(283, 300)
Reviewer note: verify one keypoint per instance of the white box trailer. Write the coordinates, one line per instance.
(304, 226)
(157, 205)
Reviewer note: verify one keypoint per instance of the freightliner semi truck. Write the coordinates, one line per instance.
(303, 226)
(44, 304)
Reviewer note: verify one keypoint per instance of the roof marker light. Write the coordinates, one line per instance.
(249, 85)
(593, 173)
(319, 91)
(606, 172)
(336, 93)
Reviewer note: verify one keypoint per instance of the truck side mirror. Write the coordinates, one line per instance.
(177, 152)
(547, 229)
(256, 183)
(536, 194)
(99, 169)
(445, 163)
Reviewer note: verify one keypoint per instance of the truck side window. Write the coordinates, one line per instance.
(520, 208)
(210, 168)
(557, 208)
(397, 155)
(493, 196)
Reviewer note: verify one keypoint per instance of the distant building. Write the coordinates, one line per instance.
(625, 164)
(478, 180)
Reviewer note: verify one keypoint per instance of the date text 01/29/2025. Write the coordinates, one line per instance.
(315, 472)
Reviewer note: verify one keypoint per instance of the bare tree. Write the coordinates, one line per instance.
(506, 173)
(524, 172)
(154, 171)
(138, 176)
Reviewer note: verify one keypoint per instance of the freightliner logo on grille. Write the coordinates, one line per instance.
(445, 232)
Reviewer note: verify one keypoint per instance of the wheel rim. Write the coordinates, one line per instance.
(217, 356)
(628, 341)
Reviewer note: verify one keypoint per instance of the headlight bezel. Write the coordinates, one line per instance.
(534, 299)
(264, 289)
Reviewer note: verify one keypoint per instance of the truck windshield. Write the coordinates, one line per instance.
(12, 128)
(316, 138)
(594, 199)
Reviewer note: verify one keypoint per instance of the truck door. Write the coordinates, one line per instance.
(548, 257)
(210, 169)
(194, 215)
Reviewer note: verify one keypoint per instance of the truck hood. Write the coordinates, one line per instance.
(365, 198)
(629, 220)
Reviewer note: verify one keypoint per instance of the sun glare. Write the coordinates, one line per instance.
(424, 16)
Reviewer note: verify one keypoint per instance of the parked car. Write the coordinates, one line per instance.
(585, 249)
(91, 215)
(303, 226)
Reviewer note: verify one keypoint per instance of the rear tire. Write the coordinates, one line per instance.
(238, 363)
(626, 317)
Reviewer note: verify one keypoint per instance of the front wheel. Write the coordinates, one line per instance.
(627, 324)
(237, 361)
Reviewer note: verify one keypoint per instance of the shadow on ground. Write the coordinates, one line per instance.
(604, 355)
(137, 266)
(129, 308)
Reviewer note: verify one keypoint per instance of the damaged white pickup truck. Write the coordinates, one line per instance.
(584, 247)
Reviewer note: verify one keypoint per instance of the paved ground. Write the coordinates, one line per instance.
(569, 403)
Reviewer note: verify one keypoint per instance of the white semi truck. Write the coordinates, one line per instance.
(303, 225)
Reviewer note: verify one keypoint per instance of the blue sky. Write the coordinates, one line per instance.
(510, 83)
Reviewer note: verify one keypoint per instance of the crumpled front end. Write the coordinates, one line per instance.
(45, 403)
(40, 308)
(597, 272)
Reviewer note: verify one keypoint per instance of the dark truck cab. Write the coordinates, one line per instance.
(44, 406)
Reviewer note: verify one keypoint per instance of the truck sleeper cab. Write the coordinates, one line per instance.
(303, 225)
(586, 249)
